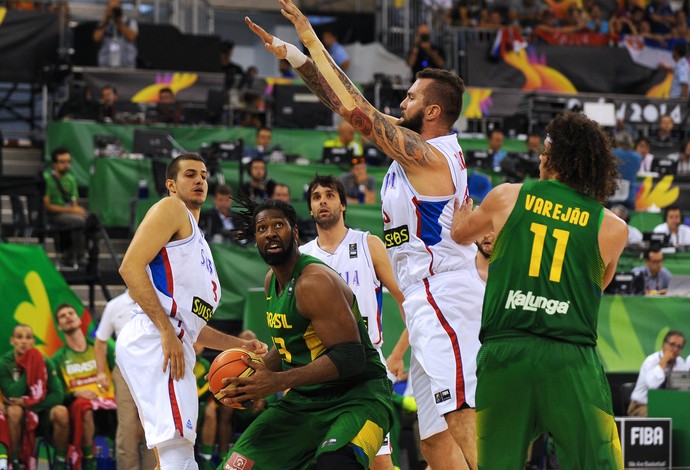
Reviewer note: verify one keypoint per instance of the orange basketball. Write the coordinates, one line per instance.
(229, 364)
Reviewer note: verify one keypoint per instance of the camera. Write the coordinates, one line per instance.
(117, 12)
(424, 38)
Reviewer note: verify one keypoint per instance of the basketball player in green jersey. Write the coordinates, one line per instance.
(556, 249)
(338, 407)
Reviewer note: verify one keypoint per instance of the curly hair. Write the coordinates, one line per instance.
(245, 217)
(580, 155)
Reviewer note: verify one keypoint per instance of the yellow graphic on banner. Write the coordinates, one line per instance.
(177, 83)
(538, 76)
(478, 97)
(37, 314)
(3, 12)
(663, 89)
(660, 195)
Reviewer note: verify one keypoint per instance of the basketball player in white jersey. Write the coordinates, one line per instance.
(170, 274)
(442, 299)
(360, 259)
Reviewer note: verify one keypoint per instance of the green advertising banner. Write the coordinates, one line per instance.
(31, 289)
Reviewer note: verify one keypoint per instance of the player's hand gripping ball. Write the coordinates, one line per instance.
(229, 364)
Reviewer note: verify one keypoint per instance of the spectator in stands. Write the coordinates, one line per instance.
(335, 49)
(233, 72)
(493, 20)
(674, 226)
(660, 16)
(622, 23)
(526, 13)
(117, 36)
(681, 72)
(63, 210)
(629, 162)
(573, 22)
(642, 147)
(683, 168)
(664, 142)
(219, 221)
(259, 187)
(32, 394)
(262, 144)
(253, 89)
(656, 369)
(346, 138)
(496, 152)
(76, 361)
(634, 234)
(472, 12)
(307, 229)
(517, 166)
(168, 110)
(423, 53)
(596, 22)
(285, 69)
(107, 107)
(655, 277)
(360, 187)
(130, 434)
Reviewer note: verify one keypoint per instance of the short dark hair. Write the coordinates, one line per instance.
(447, 93)
(224, 189)
(655, 248)
(280, 185)
(680, 48)
(580, 154)
(327, 181)
(174, 165)
(670, 333)
(165, 90)
(64, 305)
(109, 87)
(263, 128)
(227, 46)
(668, 209)
(57, 151)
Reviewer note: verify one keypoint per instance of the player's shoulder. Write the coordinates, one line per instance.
(614, 224)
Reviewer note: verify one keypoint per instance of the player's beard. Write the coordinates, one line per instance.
(328, 222)
(413, 123)
(481, 250)
(276, 259)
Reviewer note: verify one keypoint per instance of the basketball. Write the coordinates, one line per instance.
(229, 364)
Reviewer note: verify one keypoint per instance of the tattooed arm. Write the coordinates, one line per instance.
(330, 84)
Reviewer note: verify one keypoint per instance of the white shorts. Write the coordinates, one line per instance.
(443, 316)
(168, 408)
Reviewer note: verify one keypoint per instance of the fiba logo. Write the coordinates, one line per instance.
(238, 462)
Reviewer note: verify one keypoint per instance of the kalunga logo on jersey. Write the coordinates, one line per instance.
(531, 303)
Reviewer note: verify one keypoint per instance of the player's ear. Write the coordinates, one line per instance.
(433, 111)
(170, 185)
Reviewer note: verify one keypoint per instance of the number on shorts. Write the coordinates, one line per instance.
(561, 237)
(280, 347)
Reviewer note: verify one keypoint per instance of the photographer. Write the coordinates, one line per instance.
(424, 54)
(117, 36)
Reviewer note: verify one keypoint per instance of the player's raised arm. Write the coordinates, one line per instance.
(336, 91)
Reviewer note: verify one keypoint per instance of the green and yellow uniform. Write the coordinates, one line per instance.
(538, 370)
(78, 370)
(314, 419)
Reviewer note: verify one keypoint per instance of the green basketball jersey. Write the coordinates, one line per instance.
(546, 272)
(296, 340)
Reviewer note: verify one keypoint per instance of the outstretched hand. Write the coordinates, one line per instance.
(280, 51)
(304, 29)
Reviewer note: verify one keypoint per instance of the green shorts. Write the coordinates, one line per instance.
(293, 432)
(529, 386)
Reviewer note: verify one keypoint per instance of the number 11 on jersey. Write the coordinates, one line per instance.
(561, 237)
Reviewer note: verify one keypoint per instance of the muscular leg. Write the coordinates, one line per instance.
(461, 424)
(442, 453)
(208, 431)
(224, 429)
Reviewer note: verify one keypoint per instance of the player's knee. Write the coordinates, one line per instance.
(178, 456)
(341, 459)
(210, 414)
(59, 416)
(15, 414)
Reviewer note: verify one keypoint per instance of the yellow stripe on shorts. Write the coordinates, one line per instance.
(369, 439)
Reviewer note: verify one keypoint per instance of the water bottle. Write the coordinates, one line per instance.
(361, 193)
(143, 189)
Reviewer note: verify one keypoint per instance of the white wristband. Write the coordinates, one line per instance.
(295, 57)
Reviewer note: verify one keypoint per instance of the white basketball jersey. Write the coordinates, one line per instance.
(417, 227)
(186, 282)
(352, 261)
